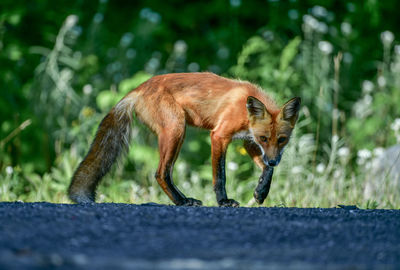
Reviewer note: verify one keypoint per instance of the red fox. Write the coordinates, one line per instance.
(230, 109)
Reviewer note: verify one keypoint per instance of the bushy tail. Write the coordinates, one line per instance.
(111, 139)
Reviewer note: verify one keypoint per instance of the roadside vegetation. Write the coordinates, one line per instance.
(57, 87)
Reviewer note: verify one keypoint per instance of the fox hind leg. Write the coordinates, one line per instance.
(170, 139)
(170, 142)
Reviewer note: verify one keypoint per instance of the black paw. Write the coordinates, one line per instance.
(82, 198)
(191, 202)
(228, 203)
(260, 196)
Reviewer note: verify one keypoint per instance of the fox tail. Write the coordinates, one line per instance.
(112, 138)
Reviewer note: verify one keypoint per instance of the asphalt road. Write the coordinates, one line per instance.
(122, 236)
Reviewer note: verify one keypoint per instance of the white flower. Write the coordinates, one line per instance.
(195, 178)
(337, 174)
(381, 81)
(87, 89)
(322, 28)
(297, 169)
(367, 100)
(233, 166)
(130, 53)
(235, 3)
(335, 138)
(367, 87)
(325, 47)
(387, 38)
(71, 21)
(9, 170)
(293, 14)
(181, 166)
(343, 152)
(98, 18)
(193, 67)
(362, 108)
(150, 15)
(268, 35)
(395, 125)
(378, 152)
(310, 22)
(126, 39)
(152, 65)
(180, 47)
(186, 185)
(320, 168)
(319, 11)
(223, 53)
(397, 49)
(346, 28)
(351, 7)
(363, 156)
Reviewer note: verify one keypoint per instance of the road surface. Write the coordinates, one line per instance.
(151, 236)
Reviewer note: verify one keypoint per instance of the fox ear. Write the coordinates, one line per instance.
(255, 108)
(290, 111)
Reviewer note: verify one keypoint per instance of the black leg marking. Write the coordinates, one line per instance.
(264, 183)
(219, 188)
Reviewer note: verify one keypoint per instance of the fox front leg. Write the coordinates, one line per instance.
(264, 184)
(218, 152)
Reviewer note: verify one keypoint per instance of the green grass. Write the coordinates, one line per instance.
(295, 182)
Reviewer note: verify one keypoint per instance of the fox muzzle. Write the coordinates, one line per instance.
(272, 162)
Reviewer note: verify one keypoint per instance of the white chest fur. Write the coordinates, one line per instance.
(243, 135)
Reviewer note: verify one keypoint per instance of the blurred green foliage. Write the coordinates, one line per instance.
(64, 64)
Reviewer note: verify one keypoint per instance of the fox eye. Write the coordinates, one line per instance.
(281, 140)
(263, 138)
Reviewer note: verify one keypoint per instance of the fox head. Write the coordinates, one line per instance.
(272, 130)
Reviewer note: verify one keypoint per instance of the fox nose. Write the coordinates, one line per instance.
(272, 162)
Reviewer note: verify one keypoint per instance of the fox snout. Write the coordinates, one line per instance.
(273, 161)
(272, 155)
